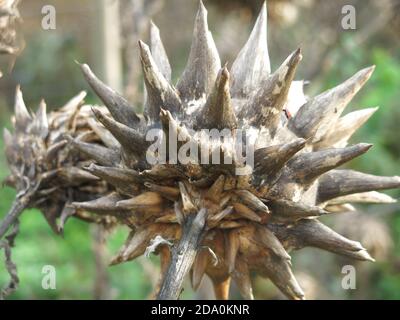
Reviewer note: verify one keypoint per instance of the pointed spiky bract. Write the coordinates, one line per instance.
(319, 114)
(252, 219)
(218, 111)
(118, 106)
(265, 107)
(158, 51)
(203, 64)
(252, 66)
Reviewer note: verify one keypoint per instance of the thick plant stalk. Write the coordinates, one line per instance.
(183, 256)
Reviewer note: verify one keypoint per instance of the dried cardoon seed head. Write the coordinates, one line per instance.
(46, 173)
(253, 219)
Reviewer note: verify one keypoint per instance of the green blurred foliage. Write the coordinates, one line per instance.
(47, 69)
(382, 130)
(388, 284)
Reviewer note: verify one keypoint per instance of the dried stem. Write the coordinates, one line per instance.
(183, 256)
(18, 206)
(11, 268)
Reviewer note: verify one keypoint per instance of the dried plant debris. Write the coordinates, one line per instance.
(252, 220)
(6, 244)
(46, 172)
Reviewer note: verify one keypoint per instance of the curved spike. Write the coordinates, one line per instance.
(105, 136)
(67, 212)
(241, 276)
(171, 130)
(52, 151)
(265, 107)
(179, 214)
(215, 191)
(187, 204)
(246, 212)
(74, 102)
(158, 52)
(281, 275)
(199, 268)
(170, 193)
(311, 232)
(167, 218)
(118, 106)
(271, 159)
(316, 116)
(100, 154)
(215, 219)
(119, 177)
(75, 176)
(305, 168)
(339, 183)
(203, 64)
(175, 134)
(118, 258)
(130, 139)
(252, 201)
(344, 128)
(136, 243)
(363, 197)
(40, 125)
(51, 215)
(289, 211)
(271, 243)
(252, 65)
(345, 207)
(161, 171)
(102, 205)
(146, 199)
(22, 115)
(159, 92)
(218, 111)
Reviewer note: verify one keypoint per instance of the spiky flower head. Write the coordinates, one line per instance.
(46, 173)
(252, 220)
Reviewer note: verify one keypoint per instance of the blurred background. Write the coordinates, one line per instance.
(104, 33)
